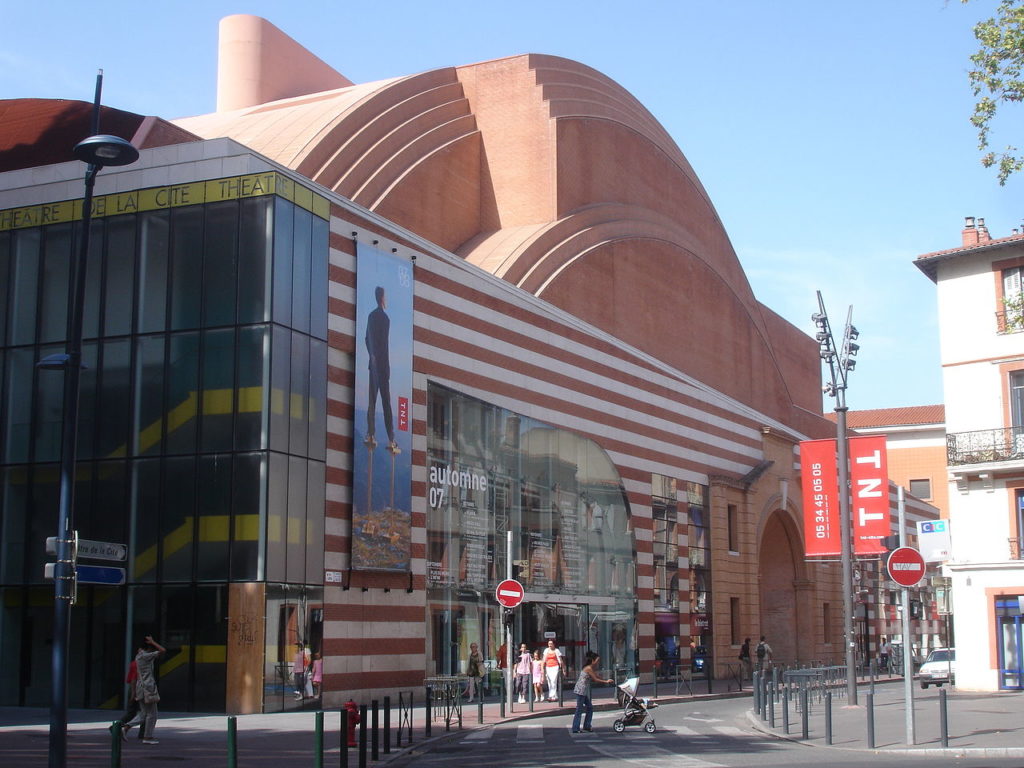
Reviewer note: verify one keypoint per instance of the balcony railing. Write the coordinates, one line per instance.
(985, 445)
(1010, 320)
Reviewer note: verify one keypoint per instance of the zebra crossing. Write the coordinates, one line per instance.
(534, 733)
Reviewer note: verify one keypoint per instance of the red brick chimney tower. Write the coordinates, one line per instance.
(983, 232)
(969, 233)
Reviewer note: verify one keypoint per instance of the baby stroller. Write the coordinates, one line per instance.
(634, 708)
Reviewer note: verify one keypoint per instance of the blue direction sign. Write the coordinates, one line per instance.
(99, 574)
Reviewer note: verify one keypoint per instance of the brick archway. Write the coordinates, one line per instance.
(782, 580)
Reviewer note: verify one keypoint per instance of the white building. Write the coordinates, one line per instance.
(981, 328)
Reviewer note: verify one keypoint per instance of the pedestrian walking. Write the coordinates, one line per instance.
(538, 677)
(474, 672)
(132, 704)
(763, 653)
(299, 664)
(146, 693)
(745, 668)
(524, 672)
(584, 703)
(554, 669)
(884, 652)
(317, 669)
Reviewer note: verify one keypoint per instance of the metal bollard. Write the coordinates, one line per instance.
(387, 725)
(232, 742)
(755, 687)
(828, 717)
(943, 718)
(362, 736)
(343, 762)
(430, 698)
(771, 708)
(374, 731)
(115, 744)
(870, 703)
(804, 725)
(785, 711)
(318, 740)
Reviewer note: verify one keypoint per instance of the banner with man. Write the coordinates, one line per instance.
(382, 436)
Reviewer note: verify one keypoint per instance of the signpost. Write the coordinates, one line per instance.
(905, 566)
(89, 574)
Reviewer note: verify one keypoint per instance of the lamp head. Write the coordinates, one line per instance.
(102, 150)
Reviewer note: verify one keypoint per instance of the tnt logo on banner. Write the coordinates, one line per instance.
(403, 414)
(869, 487)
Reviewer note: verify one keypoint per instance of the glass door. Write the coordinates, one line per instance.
(1010, 672)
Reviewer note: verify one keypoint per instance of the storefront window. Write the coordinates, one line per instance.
(490, 472)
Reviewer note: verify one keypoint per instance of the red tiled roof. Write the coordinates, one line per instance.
(891, 417)
(927, 262)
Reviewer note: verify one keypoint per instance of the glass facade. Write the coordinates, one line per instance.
(202, 438)
(490, 472)
(665, 545)
(697, 513)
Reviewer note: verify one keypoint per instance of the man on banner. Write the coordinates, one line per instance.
(378, 328)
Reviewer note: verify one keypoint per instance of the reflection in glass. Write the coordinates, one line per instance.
(220, 253)
(186, 266)
(153, 239)
(120, 276)
(490, 470)
(56, 260)
(218, 391)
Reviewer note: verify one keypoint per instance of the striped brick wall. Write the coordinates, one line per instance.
(482, 336)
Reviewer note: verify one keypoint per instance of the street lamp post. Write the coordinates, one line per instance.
(840, 362)
(97, 151)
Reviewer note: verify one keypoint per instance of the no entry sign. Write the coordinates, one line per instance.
(510, 593)
(905, 566)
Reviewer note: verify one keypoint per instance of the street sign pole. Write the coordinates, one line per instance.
(908, 655)
(508, 624)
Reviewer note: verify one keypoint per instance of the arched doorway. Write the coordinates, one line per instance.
(780, 570)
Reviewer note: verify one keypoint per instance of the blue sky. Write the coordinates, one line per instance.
(833, 138)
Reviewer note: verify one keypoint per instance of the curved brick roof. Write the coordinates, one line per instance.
(552, 176)
(35, 132)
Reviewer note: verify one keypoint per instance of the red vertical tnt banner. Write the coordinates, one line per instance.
(869, 489)
(821, 500)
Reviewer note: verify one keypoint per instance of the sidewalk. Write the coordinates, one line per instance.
(275, 740)
(989, 725)
(979, 724)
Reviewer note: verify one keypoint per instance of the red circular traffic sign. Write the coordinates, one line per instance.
(510, 593)
(905, 566)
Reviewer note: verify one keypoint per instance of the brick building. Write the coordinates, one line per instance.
(583, 390)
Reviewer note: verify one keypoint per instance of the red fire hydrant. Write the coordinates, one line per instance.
(353, 720)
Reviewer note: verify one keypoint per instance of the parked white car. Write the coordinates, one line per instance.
(938, 668)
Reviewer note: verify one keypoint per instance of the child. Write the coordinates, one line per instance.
(318, 672)
(538, 676)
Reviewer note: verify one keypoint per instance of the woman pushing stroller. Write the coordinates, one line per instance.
(584, 704)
